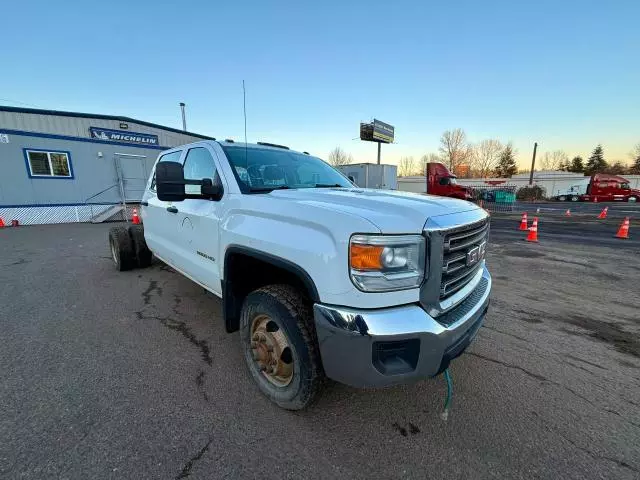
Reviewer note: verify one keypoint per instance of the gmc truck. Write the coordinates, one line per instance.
(321, 278)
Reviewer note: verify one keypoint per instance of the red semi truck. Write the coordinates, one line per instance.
(440, 181)
(609, 188)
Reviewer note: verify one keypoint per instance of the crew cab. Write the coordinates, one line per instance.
(321, 278)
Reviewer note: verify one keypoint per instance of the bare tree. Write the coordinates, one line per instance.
(635, 160)
(339, 157)
(485, 157)
(406, 167)
(454, 148)
(428, 158)
(556, 160)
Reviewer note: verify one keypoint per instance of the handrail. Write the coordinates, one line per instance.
(100, 192)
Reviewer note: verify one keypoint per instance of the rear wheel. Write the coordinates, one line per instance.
(574, 198)
(279, 345)
(562, 198)
(121, 248)
(142, 252)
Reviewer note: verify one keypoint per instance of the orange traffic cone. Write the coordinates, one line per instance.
(135, 218)
(523, 222)
(623, 231)
(567, 213)
(533, 231)
(1, 222)
(603, 213)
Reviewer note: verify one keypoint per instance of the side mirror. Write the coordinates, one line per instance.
(210, 190)
(170, 182)
(351, 179)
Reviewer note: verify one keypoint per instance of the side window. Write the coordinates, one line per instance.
(167, 157)
(198, 165)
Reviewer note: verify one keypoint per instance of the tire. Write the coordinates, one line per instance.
(574, 198)
(562, 198)
(121, 248)
(632, 199)
(287, 311)
(140, 249)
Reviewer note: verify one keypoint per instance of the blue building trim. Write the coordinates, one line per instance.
(47, 177)
(59, 113)
(79, 139)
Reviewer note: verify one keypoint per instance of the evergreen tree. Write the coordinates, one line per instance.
(596, 162)
(506, 162)
(576, 165)
(635, 167)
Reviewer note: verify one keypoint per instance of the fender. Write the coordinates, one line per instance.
(231, 304)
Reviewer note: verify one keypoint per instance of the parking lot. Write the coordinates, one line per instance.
(131, 375)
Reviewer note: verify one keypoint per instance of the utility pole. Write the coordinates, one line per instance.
(184, 119)
(533, 163)
(379, 143)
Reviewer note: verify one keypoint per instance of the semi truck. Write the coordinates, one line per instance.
(320, 278)
(604, 187)
(440, 181)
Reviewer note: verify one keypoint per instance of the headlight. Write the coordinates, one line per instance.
(381, 263)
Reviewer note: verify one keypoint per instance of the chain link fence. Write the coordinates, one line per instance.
(499, 198)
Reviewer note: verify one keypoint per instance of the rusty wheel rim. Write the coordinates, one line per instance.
(271, 351)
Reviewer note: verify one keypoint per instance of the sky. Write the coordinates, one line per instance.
(565, 74)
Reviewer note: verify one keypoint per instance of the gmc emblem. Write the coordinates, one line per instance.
(476, 254)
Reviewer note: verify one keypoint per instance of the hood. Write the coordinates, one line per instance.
(391, 211)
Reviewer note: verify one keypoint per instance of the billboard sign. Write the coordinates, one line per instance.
(125, 137)
(382, 132)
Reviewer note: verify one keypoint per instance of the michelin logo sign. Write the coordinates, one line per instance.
(125, 137)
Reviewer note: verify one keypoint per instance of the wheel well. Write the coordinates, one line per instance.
(246, 270)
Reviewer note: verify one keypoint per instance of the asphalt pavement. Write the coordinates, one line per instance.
(589, 209)
(131, 375)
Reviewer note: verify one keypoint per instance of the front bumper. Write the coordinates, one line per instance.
(374, 348)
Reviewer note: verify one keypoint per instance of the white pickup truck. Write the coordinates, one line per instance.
(322, 279)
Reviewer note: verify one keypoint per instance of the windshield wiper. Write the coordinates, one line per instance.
(269, 189)
(328, 185)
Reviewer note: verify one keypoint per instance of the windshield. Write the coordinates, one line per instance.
(266, 169)
(625, 186)
(453, 181)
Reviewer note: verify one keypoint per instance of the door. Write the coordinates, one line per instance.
(200, 220)
(132, 176)
(161, 219)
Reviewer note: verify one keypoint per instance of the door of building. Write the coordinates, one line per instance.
(132, 176)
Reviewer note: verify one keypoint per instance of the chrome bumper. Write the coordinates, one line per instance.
(373, 348)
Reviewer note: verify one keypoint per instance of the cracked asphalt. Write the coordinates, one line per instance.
(131, 375)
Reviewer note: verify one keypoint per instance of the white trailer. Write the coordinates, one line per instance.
(372, 175)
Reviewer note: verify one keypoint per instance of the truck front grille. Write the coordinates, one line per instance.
(457, 269)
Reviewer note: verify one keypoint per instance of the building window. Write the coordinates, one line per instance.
(43, 163)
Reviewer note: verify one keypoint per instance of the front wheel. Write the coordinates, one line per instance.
(632, 199)
(277, 336)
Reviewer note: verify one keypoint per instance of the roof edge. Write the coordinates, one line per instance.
(60, 113)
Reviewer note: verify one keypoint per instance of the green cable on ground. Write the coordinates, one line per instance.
(447, 376)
